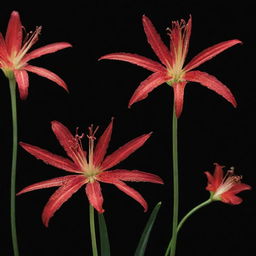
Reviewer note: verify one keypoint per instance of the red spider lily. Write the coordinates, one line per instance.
(226, 187)
(14, 57)
(171, 69)
(90, 170)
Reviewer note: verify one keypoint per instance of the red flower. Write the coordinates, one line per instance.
(225, 188)
(90, 170)
(14, 57)
(171, 70)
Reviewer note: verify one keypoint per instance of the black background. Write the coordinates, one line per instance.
(210, 129)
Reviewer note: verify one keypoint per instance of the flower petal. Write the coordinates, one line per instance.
(147, 86)
(13, 37)
(230, 198)
(3, 51)
(239, 187)
(93, 191)
(218, 175)
(209, 53)
(131, 192)
(55, 182)
(61, 195)
(102, 145)
(50, 48)
(212, 83)
(127, 175)
(210, 186)
(124, 151)
(68, 142)
(50, 158)
(47, 74)
(156, 42)
(21, 77)
(178, 89)
(135, 59)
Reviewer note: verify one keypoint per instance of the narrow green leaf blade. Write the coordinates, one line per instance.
(104, 240)
(140, 251)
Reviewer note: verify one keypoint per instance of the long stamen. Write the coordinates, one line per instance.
(91, 137)
(78, 152)
(28, 42)
(177, 48)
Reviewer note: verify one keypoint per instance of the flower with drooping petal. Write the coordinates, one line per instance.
(225, 188)
(90, 169)
(171, 70)
(14, 55)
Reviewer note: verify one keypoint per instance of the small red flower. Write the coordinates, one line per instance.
(171, 70)
(226, 187)
(90, 168)
(14, 55)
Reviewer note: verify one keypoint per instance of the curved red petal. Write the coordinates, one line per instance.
(13, 37)
(209, 53)
(60, 196)
(179, 97)
(218, 175)
(102, 145)
(239, 187)
(132, 193)
(156, 42)
(127, 175)
(21, 77)
(135, 59)
(212, 83)
(50, 158)
(3, 51)
(93, 191)
(47, 74)
(124, 151)
(230, 198)
(50, 48)
(186, 39)
(210, 186)
(55, 182)
(147, 86)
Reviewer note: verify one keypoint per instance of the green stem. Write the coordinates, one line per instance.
(175, 180)
(12, 84)
(205, 203)
(92, 228)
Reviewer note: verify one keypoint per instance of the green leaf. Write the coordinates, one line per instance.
(145, 235)
(104, 240)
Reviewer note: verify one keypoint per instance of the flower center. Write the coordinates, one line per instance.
(227, 183)
(176, 76)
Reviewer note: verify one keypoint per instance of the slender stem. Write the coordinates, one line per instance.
(12, 84)
(93, 235)
(205, 203)
(175, 180)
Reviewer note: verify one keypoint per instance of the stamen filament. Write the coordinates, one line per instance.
(28, 44)
(91, 138)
